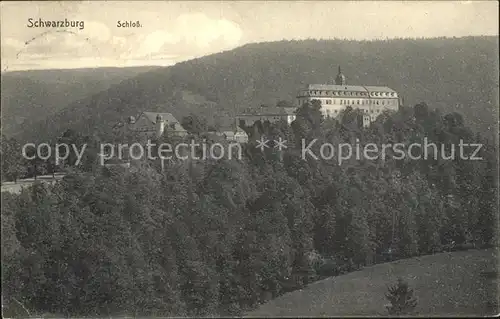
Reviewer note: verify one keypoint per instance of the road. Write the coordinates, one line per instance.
(12, 187)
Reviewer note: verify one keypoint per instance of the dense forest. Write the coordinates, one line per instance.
(218, 237)
(456, 74)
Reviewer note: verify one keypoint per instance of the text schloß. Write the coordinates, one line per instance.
(129, 24)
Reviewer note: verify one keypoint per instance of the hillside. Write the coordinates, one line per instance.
(220, 237)
(28, 96)
(452, 284)
(452, 74)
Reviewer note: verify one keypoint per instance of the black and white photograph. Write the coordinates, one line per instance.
(235, 159)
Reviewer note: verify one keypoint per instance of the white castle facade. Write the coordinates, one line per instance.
(372, 100)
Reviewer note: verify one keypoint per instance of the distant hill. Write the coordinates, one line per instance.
(29, 96)
(452, 74)
(448, 284)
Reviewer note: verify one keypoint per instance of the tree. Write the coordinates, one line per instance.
(13, 162)
(194, 124)
(401, 299)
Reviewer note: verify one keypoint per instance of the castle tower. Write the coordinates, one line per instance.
(340, 79)
(159, 125)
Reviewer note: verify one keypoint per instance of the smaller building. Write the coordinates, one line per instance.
(155, 124)
(113, 164)
(263, 114)
(233, 133)
(366, 120)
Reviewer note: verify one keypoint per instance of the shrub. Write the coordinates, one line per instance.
(401, 298)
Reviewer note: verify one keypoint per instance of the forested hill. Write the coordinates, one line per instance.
(29, 96)
(216, 238)
(452, 74)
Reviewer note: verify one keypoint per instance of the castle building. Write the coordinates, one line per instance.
(263, 114)
(372, 100)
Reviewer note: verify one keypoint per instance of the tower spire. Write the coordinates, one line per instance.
(340, 79)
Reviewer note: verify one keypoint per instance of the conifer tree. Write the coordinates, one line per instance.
(401, 298)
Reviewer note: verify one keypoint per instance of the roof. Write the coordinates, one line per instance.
(231, 129)
(177, 127)
(379, 89)
(269, 111)
(290, 110)
(213, 136)
(166, 116)
(117, 125)
(333, 87)
(349, 88)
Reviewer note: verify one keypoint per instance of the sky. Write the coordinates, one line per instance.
(177, 31)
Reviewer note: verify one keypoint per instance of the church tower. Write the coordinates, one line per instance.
(340, 79)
